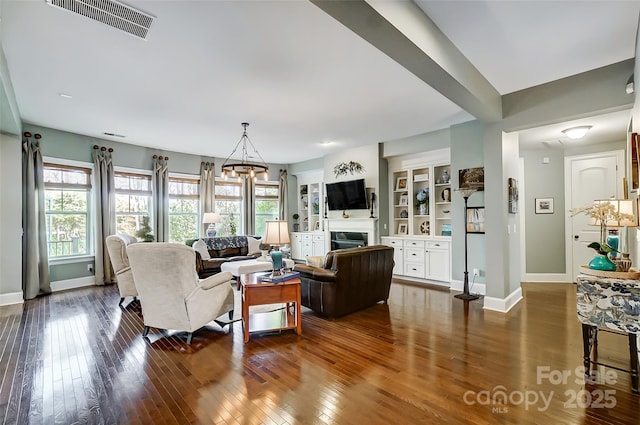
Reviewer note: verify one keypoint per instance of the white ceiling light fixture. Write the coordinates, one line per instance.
(577, 132)
(244, 167)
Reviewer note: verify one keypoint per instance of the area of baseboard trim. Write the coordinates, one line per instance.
(475, 288)
(503, 305)
(11, 298)
(63, 285)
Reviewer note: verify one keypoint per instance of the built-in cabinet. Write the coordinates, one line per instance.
(421, 258)
(307, 237)
(420, 215)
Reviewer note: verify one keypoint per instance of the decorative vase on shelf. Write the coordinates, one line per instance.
(422, 208)
(602, 262)
(445, 176)
(623, 263)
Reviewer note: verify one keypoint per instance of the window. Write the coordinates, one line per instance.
(67, 193)
(183, 209)
(133, 203)
(266, 195)
(229, 206)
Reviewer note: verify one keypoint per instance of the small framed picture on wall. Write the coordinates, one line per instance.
(544, 205)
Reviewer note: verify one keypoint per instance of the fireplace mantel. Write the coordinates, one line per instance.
(364, 225)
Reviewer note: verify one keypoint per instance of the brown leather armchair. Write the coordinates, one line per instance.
(352, 279)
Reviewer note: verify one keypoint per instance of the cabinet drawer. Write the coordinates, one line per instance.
(413, 255)
(437, 245)
(318, 238)
(414, 269)
(306, 236)
(394, 242)
(413, 243)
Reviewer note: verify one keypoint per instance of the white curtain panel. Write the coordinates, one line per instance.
(160, 194)
(35, 260)
(207, 191)
(283, 207)
(105, 197)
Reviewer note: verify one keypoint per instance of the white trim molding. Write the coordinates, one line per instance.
(546, 277)
(503, 305)
(474, 288)
(11, 298)
(63, 285)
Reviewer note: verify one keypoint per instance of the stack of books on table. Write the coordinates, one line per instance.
(267, 277)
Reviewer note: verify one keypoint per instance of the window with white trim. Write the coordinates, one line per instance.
(133, 203)
(229, 205)
(67, 206)
(266, 205)
(184, 199)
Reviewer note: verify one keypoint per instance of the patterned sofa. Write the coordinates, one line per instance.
(220, 250)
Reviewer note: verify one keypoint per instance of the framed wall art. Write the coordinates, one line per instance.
(544, 205)
(475, 220)
(512, 192)
(471, 178)
(401, 183)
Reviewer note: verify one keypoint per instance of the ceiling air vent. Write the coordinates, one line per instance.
(110, 12)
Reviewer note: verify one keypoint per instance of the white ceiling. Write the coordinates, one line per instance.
(298, 76)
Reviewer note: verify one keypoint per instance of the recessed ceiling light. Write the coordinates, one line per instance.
(64, 95)
(328, 143)
(577, 132)
(114, 135)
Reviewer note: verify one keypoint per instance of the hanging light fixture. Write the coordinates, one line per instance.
(244, 167)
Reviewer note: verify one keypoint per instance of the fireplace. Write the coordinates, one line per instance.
(340, 240)
(351, 232)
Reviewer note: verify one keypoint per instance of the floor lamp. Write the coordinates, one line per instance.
(466, 192)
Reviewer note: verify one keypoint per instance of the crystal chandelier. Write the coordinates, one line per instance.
(244, 167)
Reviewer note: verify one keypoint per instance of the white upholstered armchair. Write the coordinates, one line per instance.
(117, 248)
(171, 295)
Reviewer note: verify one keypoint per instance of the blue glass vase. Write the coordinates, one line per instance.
(602, 262)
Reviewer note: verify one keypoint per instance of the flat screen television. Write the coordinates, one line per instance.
(347, 195)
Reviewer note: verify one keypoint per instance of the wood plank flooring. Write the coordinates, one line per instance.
(76, 357)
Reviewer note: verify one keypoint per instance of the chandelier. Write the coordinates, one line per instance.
(244, 167)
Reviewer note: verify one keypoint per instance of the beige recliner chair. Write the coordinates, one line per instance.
(171, 295)
(117, 248)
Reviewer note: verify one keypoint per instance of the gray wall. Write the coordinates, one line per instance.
(545, 241)
(10, 215)
(466, 152)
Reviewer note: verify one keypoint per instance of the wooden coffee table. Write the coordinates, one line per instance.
(255, 292)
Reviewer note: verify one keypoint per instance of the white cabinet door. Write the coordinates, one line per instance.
(437, 261)
(318, 245)
(296, 246)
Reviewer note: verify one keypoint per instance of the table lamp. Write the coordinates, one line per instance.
(211, 218)
(277, 234)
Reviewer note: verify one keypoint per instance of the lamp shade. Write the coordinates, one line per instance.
(623, 213)
(277, 232)
(211, 217)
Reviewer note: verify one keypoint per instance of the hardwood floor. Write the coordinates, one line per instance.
(76, 357)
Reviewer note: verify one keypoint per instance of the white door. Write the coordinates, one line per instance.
(592, 177)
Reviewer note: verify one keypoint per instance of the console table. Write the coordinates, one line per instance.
(612, 305)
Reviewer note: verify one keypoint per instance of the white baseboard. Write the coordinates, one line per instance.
(475, 288)
(503, 305)
(11, 298)
(63, 285)
(546, 277)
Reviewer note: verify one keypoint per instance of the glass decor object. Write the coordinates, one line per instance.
(602, 262)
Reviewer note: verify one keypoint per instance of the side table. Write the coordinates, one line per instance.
(255, 292)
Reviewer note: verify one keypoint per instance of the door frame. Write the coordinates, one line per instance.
(568, 191)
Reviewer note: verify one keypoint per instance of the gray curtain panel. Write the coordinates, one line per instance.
(248, 193)
(283, 207)
(160, 195)
(35, 260)
(105, 196)
(207, 191)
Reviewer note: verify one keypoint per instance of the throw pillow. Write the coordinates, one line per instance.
(201, 247)
(253, 245)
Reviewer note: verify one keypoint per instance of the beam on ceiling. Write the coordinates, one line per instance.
(403, 32)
